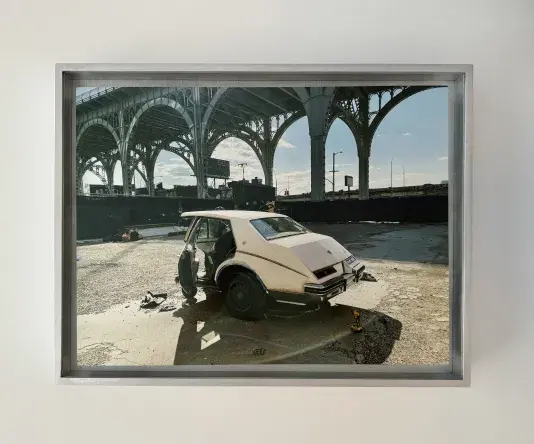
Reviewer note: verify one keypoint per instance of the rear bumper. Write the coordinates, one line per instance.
(318, 293)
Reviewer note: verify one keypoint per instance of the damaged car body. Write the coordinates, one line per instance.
(255, 257)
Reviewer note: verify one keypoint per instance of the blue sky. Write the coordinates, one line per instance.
(414, 135)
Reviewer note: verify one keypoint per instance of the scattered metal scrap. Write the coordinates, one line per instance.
(259, 351)
(366, 276)
(167, 307)
(154, 300)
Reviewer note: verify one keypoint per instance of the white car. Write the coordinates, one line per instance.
(253, 257)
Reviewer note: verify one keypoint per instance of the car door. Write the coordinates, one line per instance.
(187, 273)
(209, 231)
(199, 244)
(206, 234)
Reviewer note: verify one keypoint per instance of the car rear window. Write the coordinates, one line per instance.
(275, 227)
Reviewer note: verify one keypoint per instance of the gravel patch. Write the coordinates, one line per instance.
(423, 311)
(115, 273)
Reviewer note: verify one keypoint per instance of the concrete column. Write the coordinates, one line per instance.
(79, 185)
(316, 109)
(201, 160)
(317, 167)
(363, 142)
(126, 174)
(269, 175)
(123, 153)
(109, 171)
(363, 177)
(267, 152)
(150, 178)
(79, 175)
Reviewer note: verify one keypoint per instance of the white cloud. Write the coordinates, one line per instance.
(236, 152)
(285, 144)
(406, 134)
(443, 158)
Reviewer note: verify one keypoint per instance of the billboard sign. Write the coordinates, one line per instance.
(218, 168)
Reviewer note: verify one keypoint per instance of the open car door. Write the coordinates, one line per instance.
(199, 245)
(186, 262)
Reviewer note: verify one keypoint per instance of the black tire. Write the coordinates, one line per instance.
(185, 272)
(245, 297)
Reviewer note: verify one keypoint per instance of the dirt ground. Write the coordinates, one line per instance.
(405, 314)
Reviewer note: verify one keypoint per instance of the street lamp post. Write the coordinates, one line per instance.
(334, 172)
(391, 175)
(242, 166)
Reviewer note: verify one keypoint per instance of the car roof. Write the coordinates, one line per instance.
(232, 214)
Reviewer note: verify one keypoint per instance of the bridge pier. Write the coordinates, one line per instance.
(363, 138)
(363, 177)
(316, 106)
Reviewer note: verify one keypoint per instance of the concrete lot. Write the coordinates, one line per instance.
(405, 314)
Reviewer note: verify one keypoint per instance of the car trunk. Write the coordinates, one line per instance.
(316, 251)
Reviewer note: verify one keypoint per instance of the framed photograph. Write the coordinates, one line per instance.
(263, 224)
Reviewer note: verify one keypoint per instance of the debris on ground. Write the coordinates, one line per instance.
(209, 339)
(368, 277)
(259, 351)
(153, 300)
(356, 327)
(167, 307)
(131, 236)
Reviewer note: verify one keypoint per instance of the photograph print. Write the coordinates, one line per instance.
(262, 225)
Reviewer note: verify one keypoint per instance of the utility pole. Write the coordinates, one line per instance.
(334, 172)
(391, 175)
(403, 176)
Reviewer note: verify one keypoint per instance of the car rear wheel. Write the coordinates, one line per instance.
(245, 297)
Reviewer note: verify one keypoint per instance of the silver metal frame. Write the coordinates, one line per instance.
(458, 78)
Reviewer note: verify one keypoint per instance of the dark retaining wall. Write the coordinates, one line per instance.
(409, 209)
(98, 217)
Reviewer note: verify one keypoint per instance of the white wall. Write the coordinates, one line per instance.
(496, 36)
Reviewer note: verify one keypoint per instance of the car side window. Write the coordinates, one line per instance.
(211, 228)
(203, 229)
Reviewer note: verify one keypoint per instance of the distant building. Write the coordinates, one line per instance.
(103, 189)
(252, 195)
(191, 191)
(178, 191)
